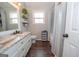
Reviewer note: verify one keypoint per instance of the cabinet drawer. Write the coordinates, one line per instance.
(23, 49)
(23, 41)
(20, 52)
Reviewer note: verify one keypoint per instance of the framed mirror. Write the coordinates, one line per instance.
(8, 17)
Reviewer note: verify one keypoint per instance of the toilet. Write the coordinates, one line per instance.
(34, 37)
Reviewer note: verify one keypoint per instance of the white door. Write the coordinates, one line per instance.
(59, 25)
(71, 43)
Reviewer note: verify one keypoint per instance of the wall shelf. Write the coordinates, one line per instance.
(25, 23)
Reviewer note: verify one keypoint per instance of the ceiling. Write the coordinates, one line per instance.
(6, 5)
(38, 5)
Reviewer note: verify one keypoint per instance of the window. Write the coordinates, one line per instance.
(13, 18)
(38, 17)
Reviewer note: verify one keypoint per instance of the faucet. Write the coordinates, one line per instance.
(16, 32)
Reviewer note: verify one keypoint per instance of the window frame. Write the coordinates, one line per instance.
(43, 18)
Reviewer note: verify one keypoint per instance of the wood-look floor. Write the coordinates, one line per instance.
(40, 49)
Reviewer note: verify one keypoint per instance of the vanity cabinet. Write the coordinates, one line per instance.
(21, 48)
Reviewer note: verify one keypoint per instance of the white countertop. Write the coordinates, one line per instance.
(13, 39)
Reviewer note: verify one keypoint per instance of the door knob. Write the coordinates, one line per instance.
(65, 35)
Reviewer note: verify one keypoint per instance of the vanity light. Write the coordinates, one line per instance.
(19, 4)
(16, 4)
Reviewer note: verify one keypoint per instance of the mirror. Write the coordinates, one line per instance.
(8, 17)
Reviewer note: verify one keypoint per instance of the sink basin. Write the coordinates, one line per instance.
(22, 34)
(6, 39)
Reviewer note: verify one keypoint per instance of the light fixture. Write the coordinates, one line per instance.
(16, 4)
(19, 4)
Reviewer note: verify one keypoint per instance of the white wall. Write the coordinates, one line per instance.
(39, 7)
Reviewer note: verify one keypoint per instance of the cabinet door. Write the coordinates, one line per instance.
(19, 53)
(27, 46)
(19, 49)
(24, 48)
(11, 51)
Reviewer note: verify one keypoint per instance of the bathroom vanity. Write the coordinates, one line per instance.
(16, 45)
(12, 45)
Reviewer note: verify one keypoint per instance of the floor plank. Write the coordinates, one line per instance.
(40, 49)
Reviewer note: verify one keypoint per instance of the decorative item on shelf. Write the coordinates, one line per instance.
(25, 23)
(25, 16)
(24, 13)
(16, 32)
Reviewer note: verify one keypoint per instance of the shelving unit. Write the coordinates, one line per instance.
(44, 35)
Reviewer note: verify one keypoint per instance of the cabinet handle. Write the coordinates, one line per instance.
(65, 35)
